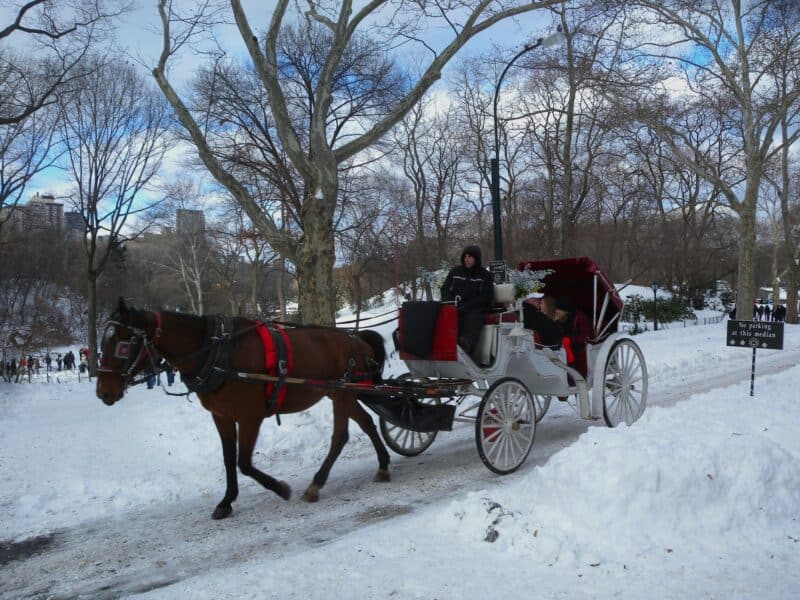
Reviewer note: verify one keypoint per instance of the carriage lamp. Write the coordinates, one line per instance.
(494, 164)
(654, 287)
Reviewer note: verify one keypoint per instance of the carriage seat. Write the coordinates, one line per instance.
(502, 298)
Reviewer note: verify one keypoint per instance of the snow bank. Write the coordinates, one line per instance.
(671, 483)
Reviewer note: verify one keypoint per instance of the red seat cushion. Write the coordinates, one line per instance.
(497, 317)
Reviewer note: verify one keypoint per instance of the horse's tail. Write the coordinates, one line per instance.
(375, 341)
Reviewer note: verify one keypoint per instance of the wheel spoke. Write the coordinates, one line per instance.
(493, 436)
(507, 424)
(625, 384)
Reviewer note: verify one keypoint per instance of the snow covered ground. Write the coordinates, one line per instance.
(700, 498)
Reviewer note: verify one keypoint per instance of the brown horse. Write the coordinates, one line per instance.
(134, 338)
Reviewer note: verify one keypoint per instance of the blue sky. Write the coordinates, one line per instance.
(139, 35)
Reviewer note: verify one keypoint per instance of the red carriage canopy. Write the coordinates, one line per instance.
(575, 278)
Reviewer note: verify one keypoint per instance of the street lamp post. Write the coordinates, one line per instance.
(494, 163)
(654, 287)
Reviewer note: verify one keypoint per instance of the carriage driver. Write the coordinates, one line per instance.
(471, 286)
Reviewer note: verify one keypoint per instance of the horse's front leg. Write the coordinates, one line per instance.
(227, 433)
(248, 434)
(338, 440)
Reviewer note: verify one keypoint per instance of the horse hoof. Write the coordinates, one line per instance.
(221, 512)
(382, 475)
(284, 491)
(311, 494)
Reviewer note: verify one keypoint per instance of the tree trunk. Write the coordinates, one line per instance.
(315, 259)
(566, 242)
(746, 275)
(776, 281)
(281, 283)
(791, 295)
(254, 308)
(91, 324)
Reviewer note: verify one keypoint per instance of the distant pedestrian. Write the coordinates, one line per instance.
(732, 314)
(767, 313)
(48, 361)
(59, 361)
(150, 377)
(760, 312)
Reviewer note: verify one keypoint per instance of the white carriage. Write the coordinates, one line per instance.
(506, 387)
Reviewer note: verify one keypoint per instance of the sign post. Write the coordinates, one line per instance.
(766, 335)
(498, 271)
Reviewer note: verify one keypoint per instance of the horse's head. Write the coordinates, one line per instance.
(126, 349)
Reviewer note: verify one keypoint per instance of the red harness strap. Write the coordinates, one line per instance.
(157, 330)
(271, 362)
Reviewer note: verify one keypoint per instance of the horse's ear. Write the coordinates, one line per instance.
(122, 309)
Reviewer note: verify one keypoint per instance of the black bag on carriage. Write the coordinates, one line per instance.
(410, 413)
(419, 322)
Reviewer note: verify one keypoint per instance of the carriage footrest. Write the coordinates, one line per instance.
(410, 413)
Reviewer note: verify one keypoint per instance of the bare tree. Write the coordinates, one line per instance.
(317, 157)
(364, 245)
(26, 149)
(59, 33)
(432, 163)
(785, 178)
(468, 88)
(727, 70)
(242, 258)
(113, 131)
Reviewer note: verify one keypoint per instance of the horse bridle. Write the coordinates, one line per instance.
(122, 350)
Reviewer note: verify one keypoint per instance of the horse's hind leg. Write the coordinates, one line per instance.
(227, 433)
(364, 420)
(338, 440)
(248, 434)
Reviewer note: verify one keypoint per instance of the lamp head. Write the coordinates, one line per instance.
(554, 39)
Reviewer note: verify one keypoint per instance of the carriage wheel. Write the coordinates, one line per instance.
(542, 403)
(624, 385)
(505, 425)
(404, 441)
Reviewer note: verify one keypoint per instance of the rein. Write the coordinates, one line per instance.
(150, 350)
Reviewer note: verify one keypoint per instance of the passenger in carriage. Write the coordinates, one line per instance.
(543, 321)
(471, 286)
(577, 330)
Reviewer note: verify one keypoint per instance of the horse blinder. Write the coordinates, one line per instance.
(123, 349)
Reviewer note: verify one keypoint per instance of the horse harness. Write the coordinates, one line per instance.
(209, 375)
(217, 345)
(122, 350)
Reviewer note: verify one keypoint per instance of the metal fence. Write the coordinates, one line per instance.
(693, 322)
(628, 328)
